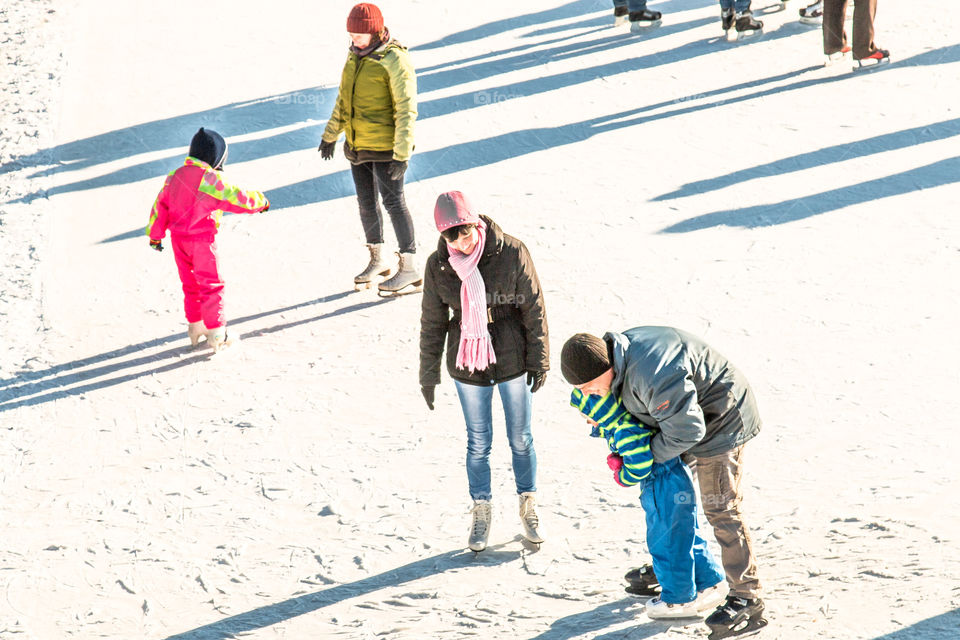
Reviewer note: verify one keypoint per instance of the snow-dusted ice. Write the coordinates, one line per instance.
(799, 217)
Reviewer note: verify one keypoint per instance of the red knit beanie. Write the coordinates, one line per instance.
(365, 18)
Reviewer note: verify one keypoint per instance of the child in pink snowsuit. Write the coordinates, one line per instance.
(190, 205)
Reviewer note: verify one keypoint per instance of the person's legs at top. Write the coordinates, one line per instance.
(834, 36)
(864, 12)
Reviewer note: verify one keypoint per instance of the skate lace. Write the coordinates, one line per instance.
(481, 516)
(529, 514)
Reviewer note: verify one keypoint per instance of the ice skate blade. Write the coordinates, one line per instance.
(619, 21)
(862, 67)
(743, 629)
(416, 287)
(643, 26)
(750, 34)
(813, 22)
(642, 592)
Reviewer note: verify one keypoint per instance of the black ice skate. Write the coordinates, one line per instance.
(736, 617)
(812, 14)
(642, 20)
(875, 59)
(619, 16)
(727, 17)
(642, 581)
(747, 26)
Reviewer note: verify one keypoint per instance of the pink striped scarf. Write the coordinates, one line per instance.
(476, 348)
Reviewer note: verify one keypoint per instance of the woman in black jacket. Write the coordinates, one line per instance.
(482, 297)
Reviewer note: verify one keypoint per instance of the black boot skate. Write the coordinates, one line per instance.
(727, 16)
(619, 16)
(642, 581)
(640, 20)
(747, 26)
(736, 617)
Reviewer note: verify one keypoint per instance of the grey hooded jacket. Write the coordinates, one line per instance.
(676, 382)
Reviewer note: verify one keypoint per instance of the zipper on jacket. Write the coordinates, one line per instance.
(353, 103)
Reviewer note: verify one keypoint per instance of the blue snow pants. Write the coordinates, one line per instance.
(681, 559)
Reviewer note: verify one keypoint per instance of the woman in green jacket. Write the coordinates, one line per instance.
(375, 109)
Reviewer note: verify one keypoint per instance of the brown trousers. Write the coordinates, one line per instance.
(835, 38)
(720, 478)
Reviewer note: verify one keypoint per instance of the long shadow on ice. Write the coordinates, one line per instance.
(820, 157)
(562, 12)
(946, 625)
(271, 614)
(606, 615)
(926, 177)
(73, 378)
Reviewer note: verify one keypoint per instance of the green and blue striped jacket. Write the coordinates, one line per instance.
(625, 435)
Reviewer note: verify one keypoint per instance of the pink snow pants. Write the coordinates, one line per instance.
(196, 258)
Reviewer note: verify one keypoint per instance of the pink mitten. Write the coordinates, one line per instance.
(615, 462)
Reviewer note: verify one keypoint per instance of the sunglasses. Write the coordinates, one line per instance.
(453, 233)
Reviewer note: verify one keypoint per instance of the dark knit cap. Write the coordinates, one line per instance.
(209, 146)
(365, 18)
(583, 358)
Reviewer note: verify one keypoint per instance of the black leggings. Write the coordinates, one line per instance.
(367, 177)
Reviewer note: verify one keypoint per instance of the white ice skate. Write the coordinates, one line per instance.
(657, 609)
(195, 331)
(480, 527)
(406, 280)
(711, 597)
(376, 268)
(812, 14)
(529, 518)
(219, 340)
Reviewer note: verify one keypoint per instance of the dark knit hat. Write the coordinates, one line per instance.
(365, 18)
(583, 358)
(209, 146)
(452, 210)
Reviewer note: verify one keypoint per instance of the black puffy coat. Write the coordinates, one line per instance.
(514, 303)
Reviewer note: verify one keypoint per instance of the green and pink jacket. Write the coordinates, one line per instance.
(193, 200)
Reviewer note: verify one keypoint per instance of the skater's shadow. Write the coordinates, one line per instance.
(262, 617)
(606, 615)
(74, 378)
(936, 174)
(827, 155)
(946, 625)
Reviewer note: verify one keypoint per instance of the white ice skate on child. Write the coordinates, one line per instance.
(480, 527)
(219, 340)
(529, 518)
(195, 331)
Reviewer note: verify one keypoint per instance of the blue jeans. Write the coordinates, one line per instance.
(736, 5)
(681, 560)
(632, 5)
(477, 405)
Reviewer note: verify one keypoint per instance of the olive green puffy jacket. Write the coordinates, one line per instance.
(377, 103)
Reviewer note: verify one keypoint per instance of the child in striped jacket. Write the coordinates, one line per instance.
(690, 578)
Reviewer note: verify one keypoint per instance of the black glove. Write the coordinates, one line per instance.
(536, 378)
(397, 169)
(428, 395)
(156, 244)
(326, 149)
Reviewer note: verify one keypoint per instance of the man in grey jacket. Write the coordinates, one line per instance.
(705, 412)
